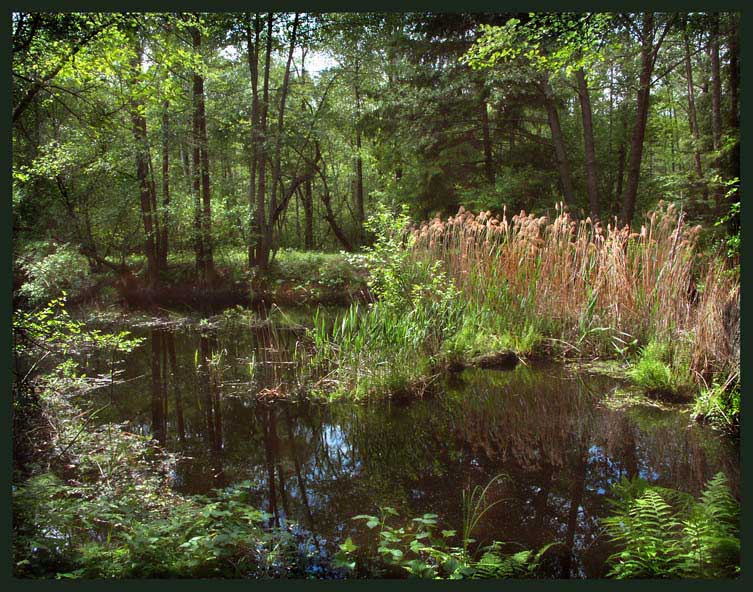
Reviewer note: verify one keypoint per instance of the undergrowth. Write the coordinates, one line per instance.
(665, 533)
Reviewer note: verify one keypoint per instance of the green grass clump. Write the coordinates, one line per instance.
(483, 332)
(661, 370)
(719, 403)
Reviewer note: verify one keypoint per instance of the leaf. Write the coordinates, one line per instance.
(348, 546)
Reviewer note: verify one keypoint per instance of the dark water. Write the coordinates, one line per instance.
(550, 431)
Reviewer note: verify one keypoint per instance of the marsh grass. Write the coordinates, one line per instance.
(449, 290)
(599, 290)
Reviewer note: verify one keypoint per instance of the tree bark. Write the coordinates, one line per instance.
(558, 141)
(592, 173)
(692, 116)
(259, 251)
(268, 231)
(165, 183)
(253, 66)
(360, 215)
(139, 130)
(716, 106)
(733, 225)
(329, 215)
(308, 211)
(201, 150)
(486, 136)
(649, 51)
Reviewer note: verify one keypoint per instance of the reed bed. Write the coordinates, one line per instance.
(600, 289)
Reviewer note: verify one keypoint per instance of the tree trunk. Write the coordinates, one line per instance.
(733, 225)
(268, 230)
(196, 193)
(330, 217)
(692, 116)
(558, 140)
(308, 211)
(140, 137)
(259, 252)
(360, 214)
(486, 135)
(201, 149)
(588, 142)
(648, 53)
(165, 183)
(253, 66)
(716, 107)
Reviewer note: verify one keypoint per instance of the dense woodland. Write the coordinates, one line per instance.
(430, 204)
(159, 134)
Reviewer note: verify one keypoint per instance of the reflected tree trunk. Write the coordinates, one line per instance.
(299, 475)
(267, 419)
(180, 422)
(576, 499)
(211, 404)
(158, 404)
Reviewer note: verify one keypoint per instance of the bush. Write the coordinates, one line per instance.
(332, 270)
(51, 272)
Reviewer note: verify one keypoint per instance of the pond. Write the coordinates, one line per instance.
(558, 437)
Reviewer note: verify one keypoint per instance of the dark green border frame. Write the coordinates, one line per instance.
(746, 65)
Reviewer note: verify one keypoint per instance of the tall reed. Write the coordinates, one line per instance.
(596, 287)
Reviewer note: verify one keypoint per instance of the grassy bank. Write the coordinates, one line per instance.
(452, 290)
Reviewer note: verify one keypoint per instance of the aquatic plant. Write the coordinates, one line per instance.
(595, 287)
(423, 550)
(719, 403)
(662, 370)
(453, 289)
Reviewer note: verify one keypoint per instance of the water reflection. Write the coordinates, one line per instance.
(545, 428)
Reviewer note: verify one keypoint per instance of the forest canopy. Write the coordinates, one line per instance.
(163, 133)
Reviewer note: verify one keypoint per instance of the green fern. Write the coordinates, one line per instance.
(664, 533)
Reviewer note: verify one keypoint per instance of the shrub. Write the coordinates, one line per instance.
(52, 272)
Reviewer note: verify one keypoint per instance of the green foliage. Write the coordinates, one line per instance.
(423, 550)
(579, 41)
(50, 274)
(664, 533)
(732, 242)
(719, 403)
(661, 370)
(417, 310)
(51, 329)
(391, 277)
(131, 526)
(311, 268)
